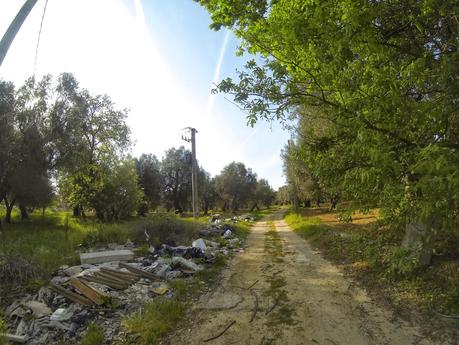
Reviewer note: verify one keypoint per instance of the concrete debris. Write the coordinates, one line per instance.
(187, 264)
(228, 234)
(110, 284)
(62, 314)
(38, 309)
(199, 243)
(106, 256)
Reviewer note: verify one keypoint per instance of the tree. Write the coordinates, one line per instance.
(384, 74)
(120, 194)
(88, 133)
(176, 172)
(148, 170)
(207, 194)
(235, 185)
(7, 101)
(263, 195)
(25, 178)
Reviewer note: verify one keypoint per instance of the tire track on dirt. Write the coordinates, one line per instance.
(281, 291)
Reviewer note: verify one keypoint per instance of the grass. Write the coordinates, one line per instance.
(370, 251)
(158, 318)
(93, 336)
(283, 313)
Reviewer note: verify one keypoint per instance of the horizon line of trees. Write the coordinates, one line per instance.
(60, 140)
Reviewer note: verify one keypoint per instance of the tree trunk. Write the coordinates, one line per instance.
(333, 202)
(9, 209)
(24, 213)
(307, 203)
(318, 201)
(419, 237)
(76, 211)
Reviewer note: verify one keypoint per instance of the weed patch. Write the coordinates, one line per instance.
(157, 318)
(371, 253)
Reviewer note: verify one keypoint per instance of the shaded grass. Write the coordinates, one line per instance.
(371, 253)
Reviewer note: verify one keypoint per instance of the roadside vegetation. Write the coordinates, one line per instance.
(369, 250)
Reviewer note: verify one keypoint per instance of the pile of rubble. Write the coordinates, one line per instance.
(110, 284)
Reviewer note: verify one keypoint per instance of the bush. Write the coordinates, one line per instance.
(165, 228)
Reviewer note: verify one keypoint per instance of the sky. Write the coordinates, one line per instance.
(157, 58)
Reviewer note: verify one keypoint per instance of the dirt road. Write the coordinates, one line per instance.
(281, 291)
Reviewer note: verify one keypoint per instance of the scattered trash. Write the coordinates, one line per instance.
(199, 243)
(110, 284)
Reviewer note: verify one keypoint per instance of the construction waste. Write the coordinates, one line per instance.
(110, 284)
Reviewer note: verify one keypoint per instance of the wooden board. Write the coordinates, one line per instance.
(71, 295)
(93, 294)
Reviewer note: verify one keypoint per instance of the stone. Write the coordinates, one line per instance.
(228, 234)
(106, 256)
(162, 271)
(73, 271)
(199, 243)
(62, 314)
(173, 275)
(38, 309)
(151, 250)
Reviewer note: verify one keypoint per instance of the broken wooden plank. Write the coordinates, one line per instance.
(105, 282)
(106, 256)
(13, 337)
(143, 273)
(93, 294)
(74, 297)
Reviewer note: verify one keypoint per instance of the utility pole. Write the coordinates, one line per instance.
(14, 27)
(194, 170)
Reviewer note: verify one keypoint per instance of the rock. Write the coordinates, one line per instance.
(106, 256)
(173, 275)
(62, 314)
(38, 309)
(184, 263)
(228, 234)
(59, 280)
(73, 271)
(58, 325)
(162, 271)
(22, 328)
(151, 250)
(199, 243)
(129, 244)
